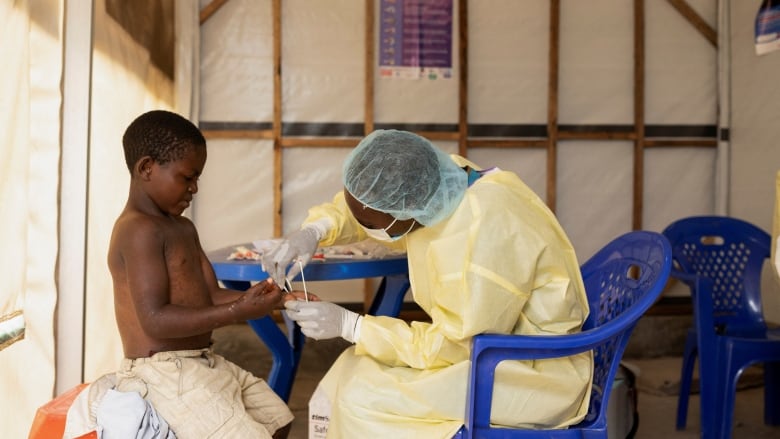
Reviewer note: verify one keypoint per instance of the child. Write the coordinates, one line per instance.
(167, 300)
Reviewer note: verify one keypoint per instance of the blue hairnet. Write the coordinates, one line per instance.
(405, 175)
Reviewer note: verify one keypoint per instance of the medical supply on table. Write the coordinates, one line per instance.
(243, 253)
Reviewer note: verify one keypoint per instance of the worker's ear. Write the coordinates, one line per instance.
(143, 167)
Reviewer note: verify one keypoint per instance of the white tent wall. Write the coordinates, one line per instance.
(754, 134)
(323, 83)
(37, 159)
(30, 101)
(323, 88)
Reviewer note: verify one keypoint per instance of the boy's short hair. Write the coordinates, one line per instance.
(162, 135)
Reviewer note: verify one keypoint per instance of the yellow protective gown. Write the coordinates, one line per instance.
(500, 263)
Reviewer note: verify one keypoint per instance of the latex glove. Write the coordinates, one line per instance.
(323, 320)
(297, 246)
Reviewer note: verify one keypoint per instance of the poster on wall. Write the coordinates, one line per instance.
(767, 28)
(415, 39)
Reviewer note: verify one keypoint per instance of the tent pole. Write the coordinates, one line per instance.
(71, 264)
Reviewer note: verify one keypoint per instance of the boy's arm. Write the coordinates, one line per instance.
(221, 295)
(148, 284)
(218, 294)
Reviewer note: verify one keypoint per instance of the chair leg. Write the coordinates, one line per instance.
(727, 394)
(772, 393)
(686, 377)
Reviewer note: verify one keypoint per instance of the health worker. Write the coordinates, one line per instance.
(485, 254)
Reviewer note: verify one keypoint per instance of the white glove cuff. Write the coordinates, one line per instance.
(356, 332)
(350, 328)
(322, 226)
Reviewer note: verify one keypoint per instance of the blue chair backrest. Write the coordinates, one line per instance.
(731, 253)
(622, 282)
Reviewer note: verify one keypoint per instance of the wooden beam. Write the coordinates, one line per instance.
(695, 19)
(276, 12)
(368, 90)
(318, 142)
(210, 9)
(552, 104)
(666, 143)
(595, 135)
(639, 112)
(463, 78)
(507, 143)
(368, 108)
(503, 143)
(441, 135)
(238, 134)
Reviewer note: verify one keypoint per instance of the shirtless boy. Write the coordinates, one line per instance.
(167, 300)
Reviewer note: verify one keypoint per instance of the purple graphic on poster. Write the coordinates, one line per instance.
(415, 38)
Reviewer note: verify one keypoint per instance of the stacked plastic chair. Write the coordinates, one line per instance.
(622, 281)
(720, 259)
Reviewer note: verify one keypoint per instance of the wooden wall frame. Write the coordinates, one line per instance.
(555, 133)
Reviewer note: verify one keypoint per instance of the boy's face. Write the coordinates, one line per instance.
(172, 185)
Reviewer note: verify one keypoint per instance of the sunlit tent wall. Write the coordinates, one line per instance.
(62, 190)
(30, 47)
(620, 114)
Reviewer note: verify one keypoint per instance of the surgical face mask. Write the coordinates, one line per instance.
(382, 235)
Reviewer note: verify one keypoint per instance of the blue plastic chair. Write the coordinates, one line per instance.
(622, 281)
(720, 259)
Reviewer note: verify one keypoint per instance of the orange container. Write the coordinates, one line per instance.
(49, 422)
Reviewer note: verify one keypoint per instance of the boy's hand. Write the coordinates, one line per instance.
(259, 300)
(299, 295)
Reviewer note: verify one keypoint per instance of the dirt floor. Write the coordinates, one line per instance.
(657, 382)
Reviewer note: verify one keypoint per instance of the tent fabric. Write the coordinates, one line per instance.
(124, 85)
(30, 103)
(13, 174)
(224, 75)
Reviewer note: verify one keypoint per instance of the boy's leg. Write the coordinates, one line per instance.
(260, 401)
(196, 398)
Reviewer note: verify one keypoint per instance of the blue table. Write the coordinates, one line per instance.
(286, 348)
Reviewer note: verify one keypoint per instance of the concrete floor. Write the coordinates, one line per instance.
(657, 383)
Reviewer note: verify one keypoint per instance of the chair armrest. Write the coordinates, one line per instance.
(537, 347)
(490, 349)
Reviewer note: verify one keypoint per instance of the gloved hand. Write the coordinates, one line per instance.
(323, 320)
(297, 246)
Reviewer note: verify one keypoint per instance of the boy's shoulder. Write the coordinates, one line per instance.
(133, 225)
(133, 221)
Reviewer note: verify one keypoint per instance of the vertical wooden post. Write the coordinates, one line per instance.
(463, 78)
(639, 111)
(552, 104)
(277, 122)
(368, 112)
(368, 98)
